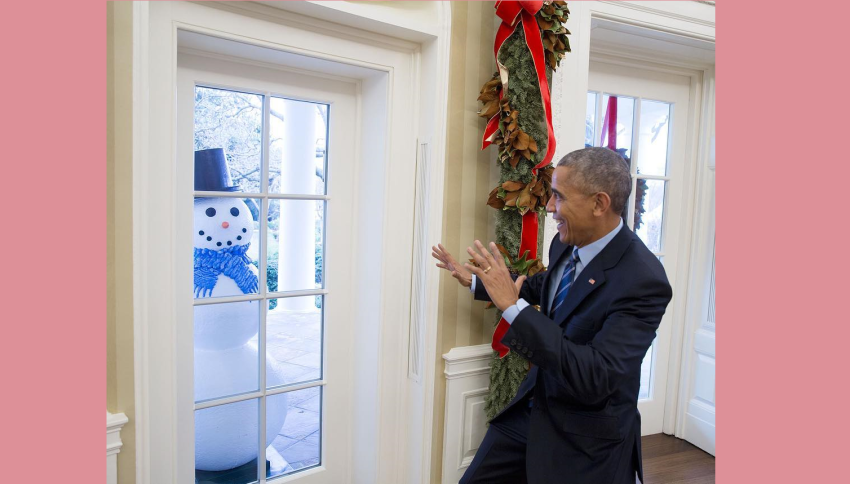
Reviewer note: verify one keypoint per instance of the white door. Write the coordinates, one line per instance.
(697, 399)
(272, 252)
(650, 124)
(698, 426)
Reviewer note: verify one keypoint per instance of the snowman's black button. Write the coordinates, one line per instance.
(229, 243)
(244, 230)
(218, 244)
(238, 237)
(201, 232)
(209, 238)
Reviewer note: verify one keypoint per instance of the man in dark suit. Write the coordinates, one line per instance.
(574, 419)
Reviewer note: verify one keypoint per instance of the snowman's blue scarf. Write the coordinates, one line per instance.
(230, 261)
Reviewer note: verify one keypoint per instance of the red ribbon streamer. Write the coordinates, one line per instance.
(609, 125)
(511, 12)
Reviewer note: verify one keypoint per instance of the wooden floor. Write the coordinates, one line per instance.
(668, 460)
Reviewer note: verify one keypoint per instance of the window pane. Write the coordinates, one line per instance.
(226, 246)
(296, 243)
(649, 212)
(298, 154)
(654, 134)
(233, 122)
(226, 358)
(590, 119)
(297, 445)
(646, 375)
(294, 340)
(226, 440)
(623, 121)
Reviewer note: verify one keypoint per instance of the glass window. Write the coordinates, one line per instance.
(622, 118)
(296, 244)
(650, 168)
(231, 121)
(226, 443)
(294, 335)
(255, 346)
(298, 167)
(654, 137)
(297, 445)
(649, 222)
(590, 120)
(226, 246)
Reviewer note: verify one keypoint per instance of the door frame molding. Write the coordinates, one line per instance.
(419, 59)
(681, 25)
(701, 256)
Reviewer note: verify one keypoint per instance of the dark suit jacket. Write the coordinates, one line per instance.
(585, 367)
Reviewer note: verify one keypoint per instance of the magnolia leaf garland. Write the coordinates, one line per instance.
(551, 19)
(489, 95)
(522, 141)
(521, 265)
(524, 197)
(514, 143)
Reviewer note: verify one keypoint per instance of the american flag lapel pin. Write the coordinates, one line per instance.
(592, 281)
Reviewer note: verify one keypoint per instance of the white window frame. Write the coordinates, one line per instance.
(263, 295)
(412, 92)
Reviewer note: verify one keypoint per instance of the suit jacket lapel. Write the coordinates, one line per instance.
(581, 288)
(595, 272)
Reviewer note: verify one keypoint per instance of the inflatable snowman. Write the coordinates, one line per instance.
(226, 355)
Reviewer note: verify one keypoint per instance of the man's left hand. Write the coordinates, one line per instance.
(494, 274)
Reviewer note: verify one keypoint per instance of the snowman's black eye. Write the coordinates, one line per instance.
(234, 211)
(210, 212)
(209, 238)
(244, 230)
(201, 232)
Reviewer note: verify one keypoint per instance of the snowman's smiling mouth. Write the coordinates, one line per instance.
(222, 242)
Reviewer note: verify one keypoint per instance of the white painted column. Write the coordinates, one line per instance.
(296, 263)
(114, 422)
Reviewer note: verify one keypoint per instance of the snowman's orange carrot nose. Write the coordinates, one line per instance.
(224, 225)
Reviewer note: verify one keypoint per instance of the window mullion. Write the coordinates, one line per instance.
(635, 137)
(634, 162)
(239, 195)
(261, 339)
(597, 132)
(225, 299)
(218, 402)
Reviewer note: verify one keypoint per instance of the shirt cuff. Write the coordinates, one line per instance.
(512, 312)
(472, 286)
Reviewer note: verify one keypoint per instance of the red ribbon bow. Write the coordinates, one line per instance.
(513, 14)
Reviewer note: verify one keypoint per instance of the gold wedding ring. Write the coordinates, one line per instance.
(487, 269)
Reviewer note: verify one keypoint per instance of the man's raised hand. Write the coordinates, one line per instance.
(449, 263)
(494, 274)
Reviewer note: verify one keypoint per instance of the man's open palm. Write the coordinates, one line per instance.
(447, 262)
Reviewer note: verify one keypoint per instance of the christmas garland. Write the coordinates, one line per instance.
(523, 137)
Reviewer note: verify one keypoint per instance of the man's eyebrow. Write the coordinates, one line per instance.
(556, 192)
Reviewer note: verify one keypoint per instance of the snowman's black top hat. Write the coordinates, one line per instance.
(212, 173)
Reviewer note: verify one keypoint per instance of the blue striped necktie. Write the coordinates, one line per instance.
(566, 282)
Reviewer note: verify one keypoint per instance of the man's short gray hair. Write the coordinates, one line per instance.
(596, 170)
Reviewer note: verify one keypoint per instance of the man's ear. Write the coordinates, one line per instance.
(602, 203)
